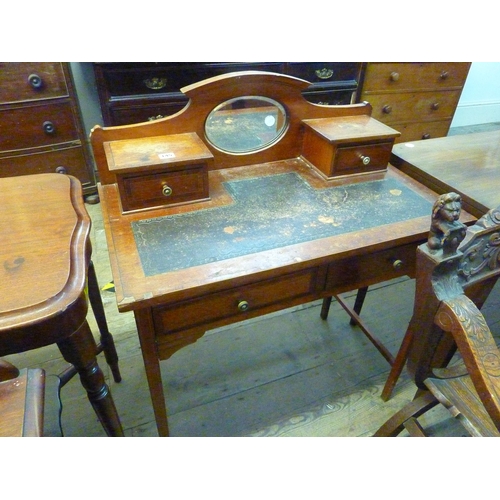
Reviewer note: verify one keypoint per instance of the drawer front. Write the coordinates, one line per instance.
(70, 161)
(37, 125)
(144, 78)
(362, 157)
(393, 108)
(331, 98)
(163, 188)
(31, 81)
(414, 76)
(137, 113)
(326, 72)
(371, 269)
(422, 130)
(238, 303)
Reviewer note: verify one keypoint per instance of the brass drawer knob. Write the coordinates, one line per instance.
(61, 170)
(167, 190)
(35, 81)
(394, 76)
(397, 264)
(435, 106)
(366, 160)
(243, 305)
(426, 136)
(387, 109)
(444, 75)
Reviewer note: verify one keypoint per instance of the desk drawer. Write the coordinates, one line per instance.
(414, 106)
(367, 270)
(349, 159)
(163, 188)
(238, 303)
(37, 125)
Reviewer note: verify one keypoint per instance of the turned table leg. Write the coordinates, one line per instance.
(80, 350)
(107, 342)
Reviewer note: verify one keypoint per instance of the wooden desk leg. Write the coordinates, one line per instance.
(107, 342)
(145, 328)
(80, 350)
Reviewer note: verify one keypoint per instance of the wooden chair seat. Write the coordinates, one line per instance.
(21, 401)
(459, 396)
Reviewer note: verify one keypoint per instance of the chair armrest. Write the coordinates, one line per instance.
(460, 316)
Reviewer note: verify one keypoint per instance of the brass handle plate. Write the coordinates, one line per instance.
(324, 73)
(155, 83)
(166, 190)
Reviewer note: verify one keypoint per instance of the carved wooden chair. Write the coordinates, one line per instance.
(456, 270)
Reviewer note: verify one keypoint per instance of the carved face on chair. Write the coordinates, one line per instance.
(445, 215)
(450, 210)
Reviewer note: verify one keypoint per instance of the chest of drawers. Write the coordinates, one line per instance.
(139, 92)
(417, 99)
(40, 124)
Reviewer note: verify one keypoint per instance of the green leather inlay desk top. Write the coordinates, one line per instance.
(271, 212)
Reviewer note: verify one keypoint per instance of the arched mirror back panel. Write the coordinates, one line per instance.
(276, 101)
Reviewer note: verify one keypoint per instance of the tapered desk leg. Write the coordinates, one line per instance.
(145, 328)
(107, 342)
(80, 350)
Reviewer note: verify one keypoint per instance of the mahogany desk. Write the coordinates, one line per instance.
(45, 260)
(468, 164)
(175, 303)
(300, 207)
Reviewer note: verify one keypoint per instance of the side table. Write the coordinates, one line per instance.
(44, 268)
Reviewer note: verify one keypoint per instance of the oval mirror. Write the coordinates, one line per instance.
(246, 124)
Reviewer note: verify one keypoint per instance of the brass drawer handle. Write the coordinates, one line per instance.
(35, 81)
(435, 106)
(397, 264)
(444, 75)
(167, 190)
(324, 73)
(394, 76)
(365, 159)
(155, 83)
(49, 128)
(387, 109)
(61, 170)
(426, 136)
(243, 305)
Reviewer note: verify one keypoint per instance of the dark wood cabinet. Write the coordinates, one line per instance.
(41, 129)
(138, 92)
